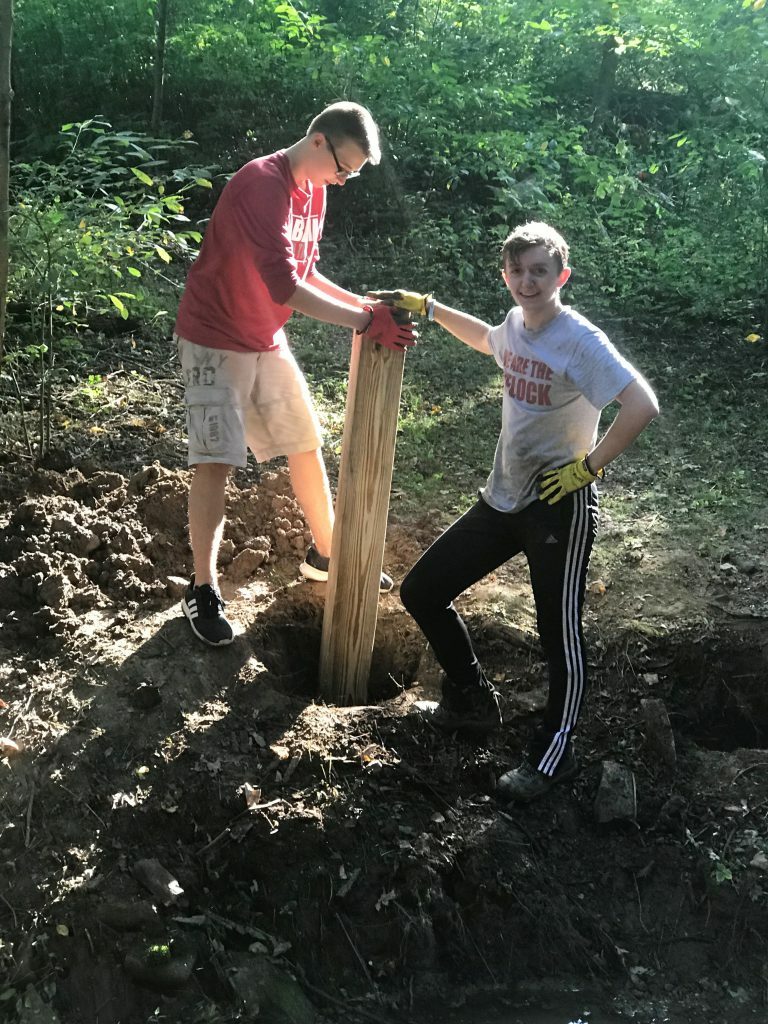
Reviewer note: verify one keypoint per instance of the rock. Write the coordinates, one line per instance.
(176, 585)
(161, 883)
(616, 798)
(659, 737)
(55, 591)
(672, 814)
(9, 747)
(70, 536)
(128, 917)
(266, 990)
(247, 562)
(226, 551)
(160, 968)
(747, 566)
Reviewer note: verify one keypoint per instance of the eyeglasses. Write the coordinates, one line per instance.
(340, 171)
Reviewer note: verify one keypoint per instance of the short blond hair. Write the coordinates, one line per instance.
(528, 236)
(349, 122)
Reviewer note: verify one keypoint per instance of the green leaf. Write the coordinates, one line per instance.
(119, 306)
(142, 176)
(161, 252)
(203, 183)
(134, 271)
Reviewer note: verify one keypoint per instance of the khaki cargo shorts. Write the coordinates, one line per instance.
(241, 400)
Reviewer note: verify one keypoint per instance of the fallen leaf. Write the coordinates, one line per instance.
(385, 899)
(252, 795)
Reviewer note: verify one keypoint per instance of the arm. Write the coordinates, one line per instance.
(310, 301)
(466, 328)
(638, 407)
(333, 291)
(376, 323)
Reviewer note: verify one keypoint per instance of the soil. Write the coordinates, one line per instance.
(188, 834)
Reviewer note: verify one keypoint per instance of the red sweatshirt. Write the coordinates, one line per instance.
(261, 241)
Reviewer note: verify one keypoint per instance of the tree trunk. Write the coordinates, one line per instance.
(6, 95)
(161, 25)
(606, 82)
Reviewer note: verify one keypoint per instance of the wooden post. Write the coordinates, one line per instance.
(362, 505)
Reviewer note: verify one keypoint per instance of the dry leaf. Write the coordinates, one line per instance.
(252, 795)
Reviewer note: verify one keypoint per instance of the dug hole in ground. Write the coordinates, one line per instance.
(188, 835)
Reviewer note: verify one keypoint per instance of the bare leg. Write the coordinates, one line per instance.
(313, 492)
(207, 503)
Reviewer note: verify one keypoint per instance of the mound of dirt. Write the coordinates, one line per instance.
(76, 543)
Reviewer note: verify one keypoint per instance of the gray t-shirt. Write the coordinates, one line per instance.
(556, 381)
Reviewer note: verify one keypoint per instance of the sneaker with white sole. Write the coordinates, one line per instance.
(527, 783)
(204, 608)
(315, 567)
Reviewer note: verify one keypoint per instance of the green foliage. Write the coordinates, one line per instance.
(635, 127)
(86, 232)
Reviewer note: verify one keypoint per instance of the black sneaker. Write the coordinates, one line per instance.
(527, 783)
(315, 567)
(204, 608)
(472, 710)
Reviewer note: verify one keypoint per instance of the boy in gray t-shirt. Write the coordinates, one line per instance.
(540, 498)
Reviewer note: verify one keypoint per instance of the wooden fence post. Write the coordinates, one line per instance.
(362, 505)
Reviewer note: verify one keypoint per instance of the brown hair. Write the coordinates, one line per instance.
(349, 122)
(527, 236)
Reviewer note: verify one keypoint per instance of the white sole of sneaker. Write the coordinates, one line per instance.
(309, 572)
(211, 643)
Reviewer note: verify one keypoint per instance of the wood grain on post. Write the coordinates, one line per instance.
(362, 505)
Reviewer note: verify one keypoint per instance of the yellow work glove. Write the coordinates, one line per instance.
(412, 302)
(556, 483)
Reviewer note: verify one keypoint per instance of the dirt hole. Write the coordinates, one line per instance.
(291, 652)
(719, 697)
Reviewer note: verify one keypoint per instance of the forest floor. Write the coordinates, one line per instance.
(188, 834)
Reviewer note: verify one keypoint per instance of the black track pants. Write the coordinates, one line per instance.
(557, 541)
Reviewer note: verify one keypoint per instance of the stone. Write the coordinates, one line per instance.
(659, 737)
(176, 585)
(55, 591)
(247, 562)
(157, 880)
(128, 917)
(616, 798)
(263, 988)
(160, 974)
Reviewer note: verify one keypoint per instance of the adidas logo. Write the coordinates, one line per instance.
(551, 539)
